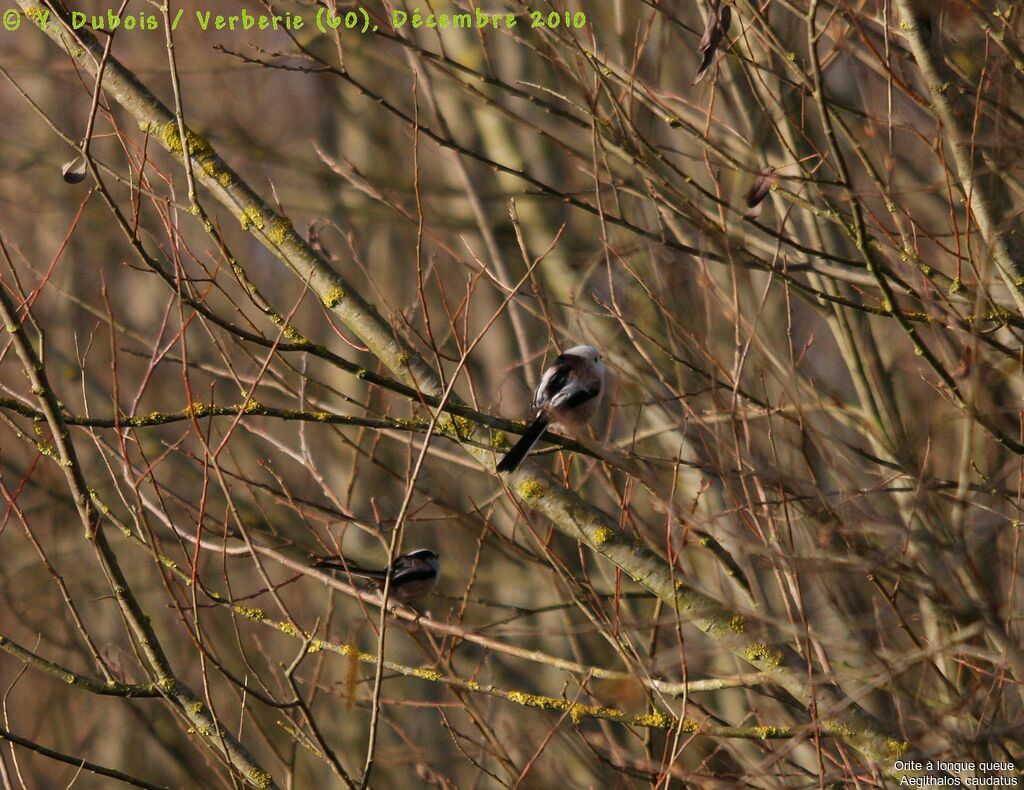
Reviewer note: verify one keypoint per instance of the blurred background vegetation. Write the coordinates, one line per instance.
(802, 265)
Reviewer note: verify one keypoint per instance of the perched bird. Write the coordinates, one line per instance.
(413, 575)
(567, 395)
(758, 192)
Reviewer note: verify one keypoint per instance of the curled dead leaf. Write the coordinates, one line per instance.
(719, 20)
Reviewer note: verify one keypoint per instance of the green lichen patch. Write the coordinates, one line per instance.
(531, 489)
(197, 145)
(354, 652)
(603, 535)
(458, 428)
(539, 701)
(759, 653)
(765, 731)
(896, 748)
(251, 218)
(254, 614)
(333, 297)
(653, 719)
(579, 712)
(278, 229)
(167, 685)
(838, 728)
(260, 778)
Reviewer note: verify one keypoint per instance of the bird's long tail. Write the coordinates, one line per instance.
(515, 456)
(336, 564)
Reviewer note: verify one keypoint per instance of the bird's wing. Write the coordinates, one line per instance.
(574, 396)
(413, 573)
(579, 384)
(552, 382)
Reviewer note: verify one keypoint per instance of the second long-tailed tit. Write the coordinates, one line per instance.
(413, 575)
(567, 395)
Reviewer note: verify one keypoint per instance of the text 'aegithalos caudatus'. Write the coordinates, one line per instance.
(413, 575)
(567, 395)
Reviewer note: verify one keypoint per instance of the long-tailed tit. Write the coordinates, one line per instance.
(567, 395)
(413, 575)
